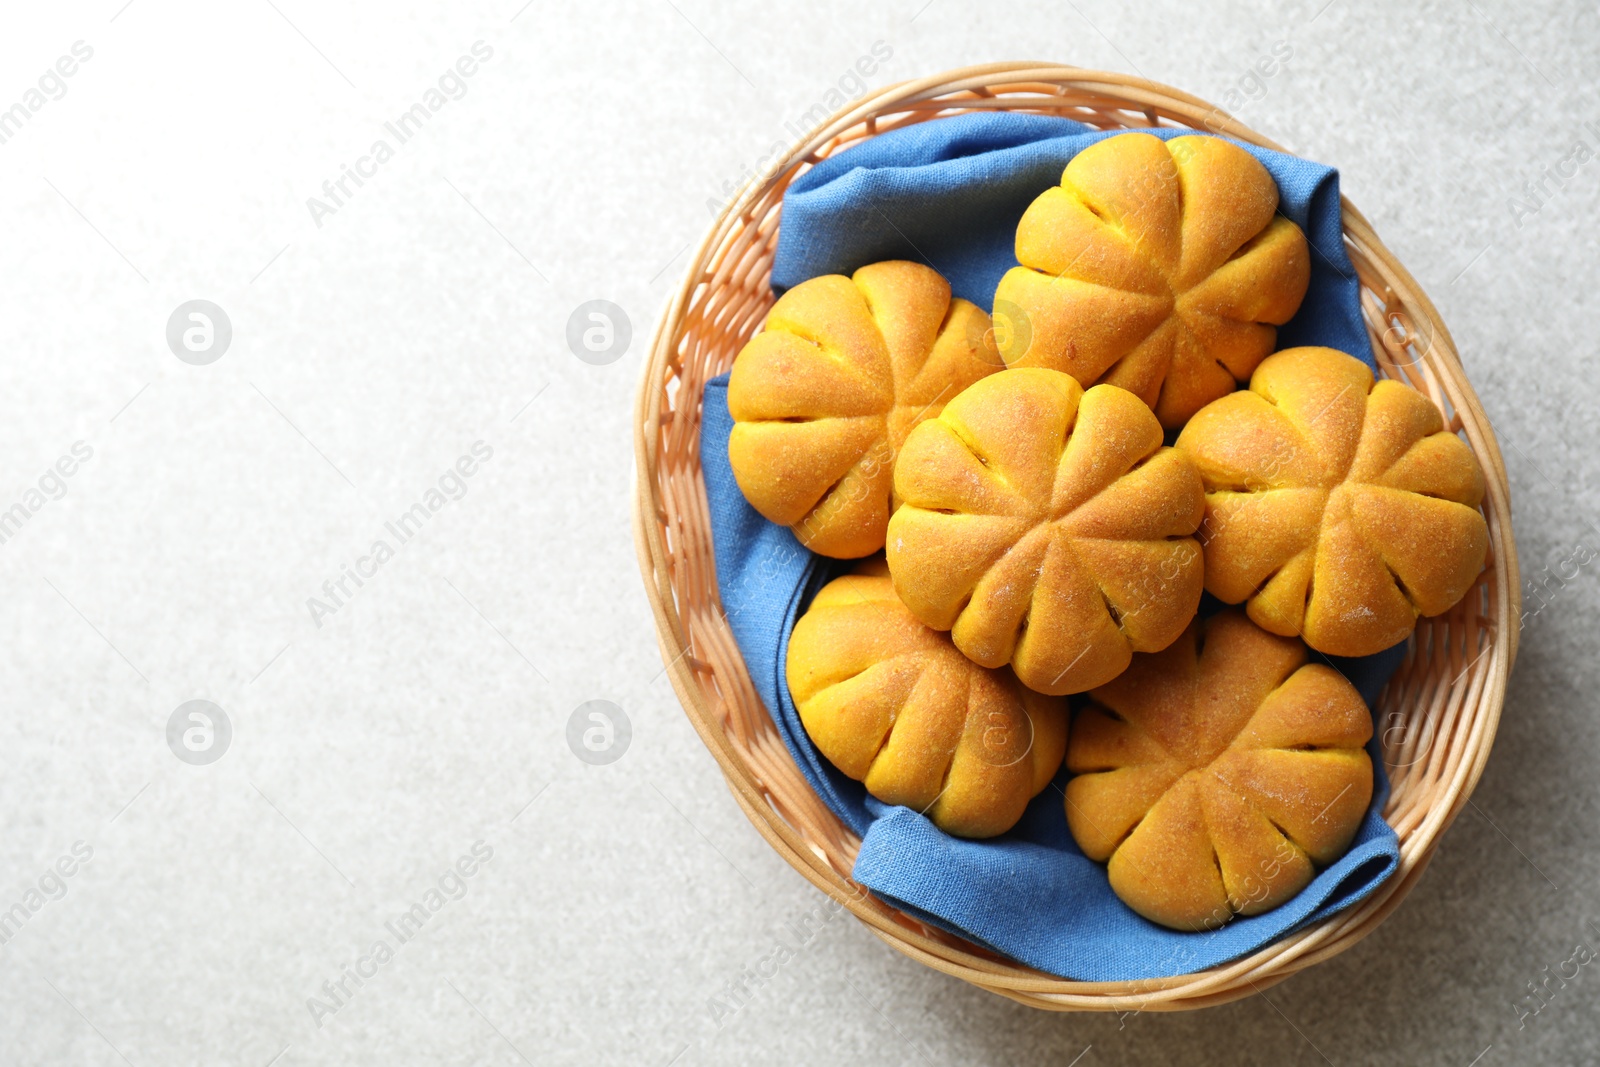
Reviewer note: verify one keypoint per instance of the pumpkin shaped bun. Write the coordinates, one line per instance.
(1047, 527)
(1337, 508)
(1216, 776)
(894, 705)
(823, 396)
(1159, 266)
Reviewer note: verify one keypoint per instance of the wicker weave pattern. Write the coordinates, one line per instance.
(1437, 717)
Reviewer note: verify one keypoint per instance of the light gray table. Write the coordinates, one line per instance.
(377, 335)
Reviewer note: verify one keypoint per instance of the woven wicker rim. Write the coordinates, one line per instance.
(1437, 716)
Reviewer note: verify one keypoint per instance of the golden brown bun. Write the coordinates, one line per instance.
(824, 395)
(1337, 508)
(1159, 266)
(892, 704)
(1216, 783)
(1047, 527)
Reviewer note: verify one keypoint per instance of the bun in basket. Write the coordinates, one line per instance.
(824, 395)
(1217, 776)
(1159, 266)
(1336, 508)
(892, 704)
(1047, 527)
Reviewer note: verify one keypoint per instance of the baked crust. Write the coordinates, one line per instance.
(894, 705)
(1337, 508)
(824, 395)
(1047, 527)
(1217, 776)
(1159, 266)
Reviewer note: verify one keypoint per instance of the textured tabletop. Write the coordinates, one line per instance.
(315, 543)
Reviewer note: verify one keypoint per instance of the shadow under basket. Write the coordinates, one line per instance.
(1436, 718)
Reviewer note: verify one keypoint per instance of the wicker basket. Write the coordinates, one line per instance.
(1437, 717)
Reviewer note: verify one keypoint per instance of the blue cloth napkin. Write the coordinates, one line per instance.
(949, 193)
